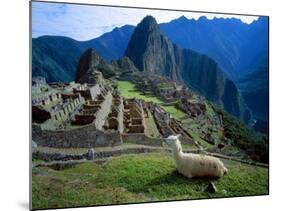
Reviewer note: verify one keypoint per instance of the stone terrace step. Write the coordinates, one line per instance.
(50, 154)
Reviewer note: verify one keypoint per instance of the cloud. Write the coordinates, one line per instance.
(84, 22)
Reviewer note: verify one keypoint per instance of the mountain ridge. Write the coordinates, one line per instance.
(211, 41)
(56, 57)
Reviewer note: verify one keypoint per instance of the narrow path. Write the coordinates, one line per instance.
(65, 155)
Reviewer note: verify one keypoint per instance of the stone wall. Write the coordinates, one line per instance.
(142, 139)
(36, 154)
(102, 113)
(62, 113)
(185, 140)
(95, 91)
(90, 93)
(121, 117)
(81, 137)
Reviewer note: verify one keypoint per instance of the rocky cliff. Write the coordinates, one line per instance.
(90, 62)
(151, 51)
(124, 64)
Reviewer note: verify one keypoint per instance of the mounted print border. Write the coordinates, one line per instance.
(139, 105)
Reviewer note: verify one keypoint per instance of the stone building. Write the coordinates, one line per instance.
(162, 120)
(133, 116)
(192, 107)
(92, 114)
(115, 117)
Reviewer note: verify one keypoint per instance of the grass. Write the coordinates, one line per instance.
(37, 161)
(233, 151)
(151, 128)
(176, 113)
(196, 137)
(254, 143)
(192, 127)
(189, 147)
(128, 90)
(137, 178)
(209, 109)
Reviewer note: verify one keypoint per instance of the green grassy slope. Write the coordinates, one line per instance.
(137, 178)
(128, 90)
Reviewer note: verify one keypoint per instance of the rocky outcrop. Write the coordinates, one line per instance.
(89, 64)
(151, 51)
(125, 64)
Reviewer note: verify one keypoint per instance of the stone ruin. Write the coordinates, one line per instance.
(168, 125)
(115, 118)
(208, 138)
(192, 107)
(167, 90)
(162, 120)
(170, 92)
(51, 107)
(173, 93)
(91, 115)
(133, 116)
(71, 113)
(88, 112)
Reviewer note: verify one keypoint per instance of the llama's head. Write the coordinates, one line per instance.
(173, 141)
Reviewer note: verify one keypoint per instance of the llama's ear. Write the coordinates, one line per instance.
(178, 135)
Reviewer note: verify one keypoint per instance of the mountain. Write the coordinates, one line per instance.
(56, 57)
(255, 49)
(238, 49)
(124, 64)
(255, 90)
(111, 45)
(234, 45)
(91, 62)
(151, 51)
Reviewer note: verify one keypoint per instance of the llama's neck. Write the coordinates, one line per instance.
(177, 155)
(178, 152)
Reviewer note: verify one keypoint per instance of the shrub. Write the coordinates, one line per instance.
(255, 144)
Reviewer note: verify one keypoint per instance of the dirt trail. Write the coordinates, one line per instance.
(68, 155)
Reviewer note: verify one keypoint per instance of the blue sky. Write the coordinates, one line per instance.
(84, 22)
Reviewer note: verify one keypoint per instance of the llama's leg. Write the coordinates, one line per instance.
(225, 171)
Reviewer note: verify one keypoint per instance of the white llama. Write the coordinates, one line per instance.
(195, 165)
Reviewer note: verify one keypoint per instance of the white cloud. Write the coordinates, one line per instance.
(84, 22)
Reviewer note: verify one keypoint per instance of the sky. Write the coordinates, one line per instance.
(85, 22)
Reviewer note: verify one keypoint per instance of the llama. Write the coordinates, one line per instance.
(195, 165)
